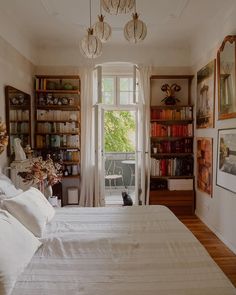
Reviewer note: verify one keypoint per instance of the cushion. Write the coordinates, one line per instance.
(7, 187)
(17, 247)
(32, 209)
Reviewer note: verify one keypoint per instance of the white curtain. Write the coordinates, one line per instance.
(87, 196)
(144, 74)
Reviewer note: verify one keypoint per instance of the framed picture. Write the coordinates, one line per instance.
(206, 96)
(226, 159)
(204, 164)
(226, 72)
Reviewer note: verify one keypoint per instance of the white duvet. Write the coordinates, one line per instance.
(119, 251)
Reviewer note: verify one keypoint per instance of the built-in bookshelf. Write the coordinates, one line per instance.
(172, 161)
(18, 117)
(57, 126)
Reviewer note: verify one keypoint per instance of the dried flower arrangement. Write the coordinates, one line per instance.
(3, 136)
(42, 171)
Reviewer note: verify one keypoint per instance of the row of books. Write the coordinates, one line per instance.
(171, 130)
(54, 127)
(57, 141)
(22, 127)
(172, 167)
(70, 155)
(184, 145)
(183, 113)
(57, 115)
(19, 115)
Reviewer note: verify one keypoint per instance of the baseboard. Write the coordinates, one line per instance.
(226, 242)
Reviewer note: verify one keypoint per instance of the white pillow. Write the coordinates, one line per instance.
(17, 247)
(7, 187)
(32, 209)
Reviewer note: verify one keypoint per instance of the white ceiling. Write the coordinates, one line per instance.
(61, 23)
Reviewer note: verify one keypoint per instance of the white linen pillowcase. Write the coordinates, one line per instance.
(32, 209)
(7, 187)
(17, 247)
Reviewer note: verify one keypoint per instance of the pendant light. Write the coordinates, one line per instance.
(117, 6)
(135, 30)
(91, 46)
(101, 29)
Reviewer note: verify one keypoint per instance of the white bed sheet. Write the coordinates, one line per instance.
(114, 251)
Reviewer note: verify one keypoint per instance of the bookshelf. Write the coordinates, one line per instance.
(18, 117)
(172, 135)
(57, 125)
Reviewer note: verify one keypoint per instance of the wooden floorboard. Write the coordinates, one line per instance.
(221, 254)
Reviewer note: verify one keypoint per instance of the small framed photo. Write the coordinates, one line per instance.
(204, 164)
(226, 159)
(206, 96)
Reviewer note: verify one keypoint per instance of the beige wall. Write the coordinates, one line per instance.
(16, 71)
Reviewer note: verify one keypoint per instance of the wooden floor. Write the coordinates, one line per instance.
(224, 257)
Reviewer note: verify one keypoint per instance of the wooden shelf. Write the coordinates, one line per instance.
(166, 122)
(19, 107)
(58, 121)
(171, 155)
(58, 77)
(172, 177)
(19, 121)
(156, 138)
(160, 107)
(56, 133)
(62, 91)
(71, 176)
(56, 148)
(21, 133)
(71, 162)
(58, 107)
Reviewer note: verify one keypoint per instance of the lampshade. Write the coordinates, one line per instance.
(102, 30)
(117, 6)
(91, 46)
(135, 30)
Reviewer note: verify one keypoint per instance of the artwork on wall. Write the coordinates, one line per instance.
(226, 159)
(206, 96)
(204, 164)
(226, 60)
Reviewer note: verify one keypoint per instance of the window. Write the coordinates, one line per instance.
(117, 90)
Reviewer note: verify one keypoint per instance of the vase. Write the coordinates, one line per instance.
(48, 191)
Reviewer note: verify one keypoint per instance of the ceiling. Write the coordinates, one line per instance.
(62, 23)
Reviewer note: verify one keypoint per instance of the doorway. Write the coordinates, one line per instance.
(119, 150)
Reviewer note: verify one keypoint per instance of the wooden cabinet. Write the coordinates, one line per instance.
(18, 117)
(172, 160)
(57, 126)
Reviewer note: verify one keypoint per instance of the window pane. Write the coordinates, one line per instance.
(107, 98)
(108, 90)
(126, 97)
(126, 84)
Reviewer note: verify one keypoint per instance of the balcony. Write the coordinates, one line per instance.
(119, 176)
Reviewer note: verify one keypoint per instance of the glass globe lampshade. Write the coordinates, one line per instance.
(135, 30)
(102, 30)
(117, 6)
(91, 46)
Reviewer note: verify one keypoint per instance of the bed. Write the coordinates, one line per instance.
(111, 251)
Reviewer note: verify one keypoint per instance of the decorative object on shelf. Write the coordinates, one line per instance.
(19, 152)
(44, 173)
(28, 151)
(68, 86)
(90, 45)
(170, 98)
(135, 30)
(226, 159)
(226, 60)
(3, 136)
(117, 6)
(205, 164)
(206, 96)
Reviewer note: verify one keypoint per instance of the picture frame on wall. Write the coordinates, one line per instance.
(205, 102)
(226, 159)
(205, 164)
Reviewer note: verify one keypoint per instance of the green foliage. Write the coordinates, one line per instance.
(119, 125)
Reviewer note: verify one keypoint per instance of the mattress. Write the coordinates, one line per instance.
(130, 250)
